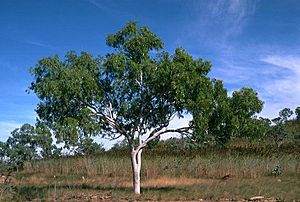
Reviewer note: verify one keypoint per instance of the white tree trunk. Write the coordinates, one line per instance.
(136, 162)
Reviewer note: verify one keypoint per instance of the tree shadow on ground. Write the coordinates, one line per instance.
(32, 192)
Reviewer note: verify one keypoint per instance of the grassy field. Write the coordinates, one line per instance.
(210, 175)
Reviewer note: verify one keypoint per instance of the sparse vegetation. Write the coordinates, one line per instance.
(210, 174)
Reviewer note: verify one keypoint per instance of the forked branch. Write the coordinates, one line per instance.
(157, 132)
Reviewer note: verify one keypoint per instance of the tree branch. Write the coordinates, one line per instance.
(114, 138)
(109, 119)
(159, 131)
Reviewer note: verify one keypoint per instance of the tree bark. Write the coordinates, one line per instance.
(136, 162)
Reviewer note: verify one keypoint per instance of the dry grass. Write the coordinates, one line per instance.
(34, 180)
(164, 177)
(159, 189)
(195, 166)
(176, 182)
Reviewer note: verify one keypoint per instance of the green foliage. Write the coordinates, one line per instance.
(238, 116)
(173, 145)
(3, 151)
(284, 114)
(120, 146)
(126, 93)
(256, 129)
(87, 146)
(234, 116)
(123, 145)
(64, 87)
(279, 131)
(220, 124)
(27, 143)
(134, 42)
(244, 105)
(44, 141)
(22, 145)
(137, 90)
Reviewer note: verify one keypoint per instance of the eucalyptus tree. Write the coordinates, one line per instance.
(21, 146)
(27, 143)
(133, 92)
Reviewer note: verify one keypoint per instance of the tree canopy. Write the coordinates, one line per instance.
(27, 143)
(129, 92)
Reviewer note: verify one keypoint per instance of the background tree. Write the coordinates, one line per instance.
(285, 114)
(120, 146)
(3, 151)
(173, 144)
(279, 131)
(27, 143)
(256, 129)
(87, 146)
(244, 105)
(292, 125)
(43, 138)
(22, 145)
(235, 116)
(129, 93)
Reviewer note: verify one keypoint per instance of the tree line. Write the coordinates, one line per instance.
(29, 142)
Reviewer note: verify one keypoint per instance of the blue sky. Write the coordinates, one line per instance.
(250, 43)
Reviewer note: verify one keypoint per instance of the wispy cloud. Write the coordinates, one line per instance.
(284, 90)
(232, 15)
(40, 44)
(275, 77)
(98, 4)
(111, 7)
(218, 26)
(290, 62)
(216, 22)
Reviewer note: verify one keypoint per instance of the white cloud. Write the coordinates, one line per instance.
(289, 62)
(283, 91)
